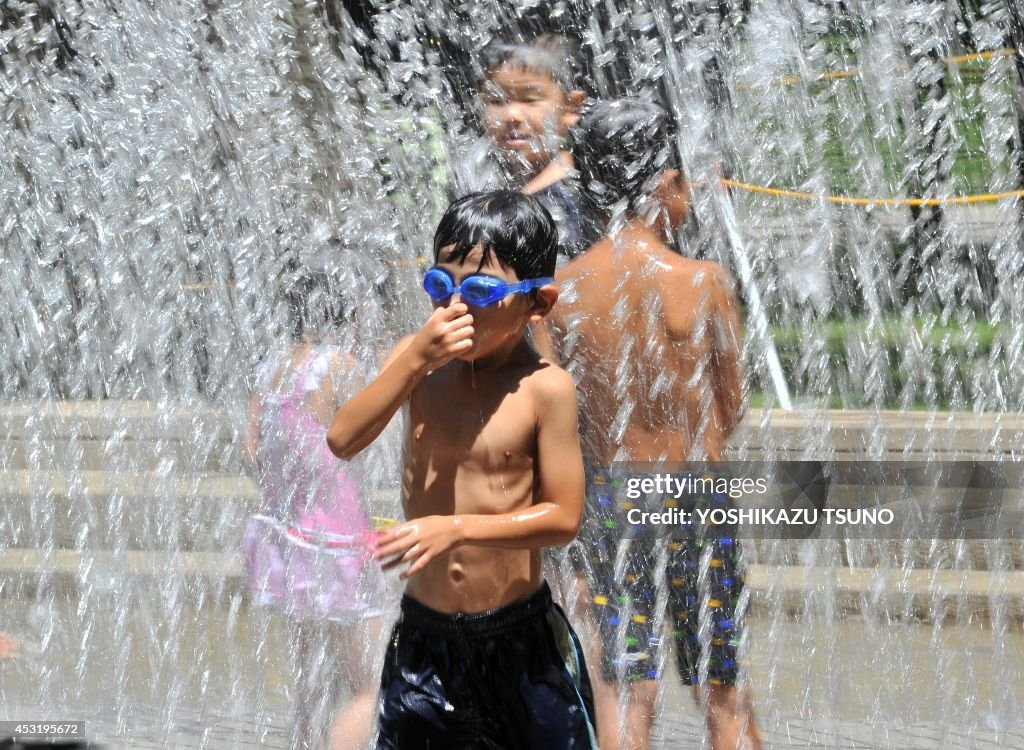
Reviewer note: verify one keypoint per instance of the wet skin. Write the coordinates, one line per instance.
(654, 337)
(672, 359)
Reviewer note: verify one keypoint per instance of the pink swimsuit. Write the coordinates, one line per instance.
(308, 553)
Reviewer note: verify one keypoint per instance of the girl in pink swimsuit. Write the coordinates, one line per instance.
(307, 552)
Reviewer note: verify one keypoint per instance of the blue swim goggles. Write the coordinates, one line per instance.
(477, 290)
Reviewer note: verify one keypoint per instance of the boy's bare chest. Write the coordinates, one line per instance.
(489, 427)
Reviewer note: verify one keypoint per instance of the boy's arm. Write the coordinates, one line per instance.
(553, 521)
(447, 333)
(343, 378)
(727, 348)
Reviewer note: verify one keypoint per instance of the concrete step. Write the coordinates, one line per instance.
(133, 510)
(890, 435)
(931, 594)
(100, 510)
(976, 225)
(210, 430)
(125, 454)
(120, 436)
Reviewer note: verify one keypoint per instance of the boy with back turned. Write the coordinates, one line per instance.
(654, 340)
(480, 656)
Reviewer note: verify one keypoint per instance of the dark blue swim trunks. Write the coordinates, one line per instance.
(507, 679)
(639, 577)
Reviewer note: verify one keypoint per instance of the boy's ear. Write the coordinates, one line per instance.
(673, 193)
(574, 102)
(544, 299)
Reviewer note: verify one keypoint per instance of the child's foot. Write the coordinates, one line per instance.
(9, 647)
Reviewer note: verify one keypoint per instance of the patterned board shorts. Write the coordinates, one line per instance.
(638, 576)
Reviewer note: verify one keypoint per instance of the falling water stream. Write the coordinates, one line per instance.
(167, 168)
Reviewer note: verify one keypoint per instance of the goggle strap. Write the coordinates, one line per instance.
(530, 284)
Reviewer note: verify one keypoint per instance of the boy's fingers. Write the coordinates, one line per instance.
(396, 547)
(466, 321)
(416, 567)
(382, 538)
(410, 554)
(398, 557)
(453, 311)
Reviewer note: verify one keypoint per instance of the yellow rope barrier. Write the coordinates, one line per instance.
(406, 262)
(955, 200)
(832, 75)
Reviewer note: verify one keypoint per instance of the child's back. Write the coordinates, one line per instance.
(654, 340)
(301, 477)
(308, 552)
(655, 360)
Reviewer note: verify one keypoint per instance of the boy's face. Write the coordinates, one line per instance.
(504, 321)
(527, 113)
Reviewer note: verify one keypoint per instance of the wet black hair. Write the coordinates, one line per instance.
(315, 304)
(515, 227)
(549, 54)
(620, 148)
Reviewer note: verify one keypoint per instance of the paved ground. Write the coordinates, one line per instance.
(210, 731)
(848, 683)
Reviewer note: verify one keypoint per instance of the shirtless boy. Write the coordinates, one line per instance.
(654, 341)
(480, 656)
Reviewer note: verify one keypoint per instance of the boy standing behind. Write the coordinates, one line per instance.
(480, 656)
(530, 100)
(654, 340)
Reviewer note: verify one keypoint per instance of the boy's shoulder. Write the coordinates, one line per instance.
(539, 375)
(549, 381)
(540, 379)
(551, 390)
(696, 274)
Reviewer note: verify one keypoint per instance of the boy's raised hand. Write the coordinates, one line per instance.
(447, 333)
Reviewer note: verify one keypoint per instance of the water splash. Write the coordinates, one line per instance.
(165, 168)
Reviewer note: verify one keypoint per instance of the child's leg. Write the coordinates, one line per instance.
(629, 644)
(361, 648)
(706, 585)
(316, 682)
(621, 597)
(730, 717)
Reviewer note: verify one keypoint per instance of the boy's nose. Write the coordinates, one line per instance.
(512, 112)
